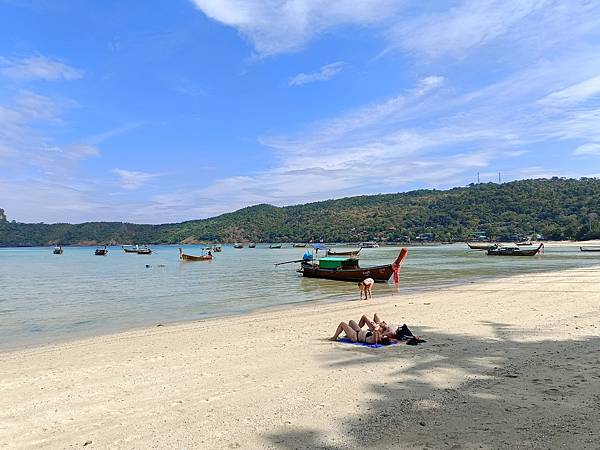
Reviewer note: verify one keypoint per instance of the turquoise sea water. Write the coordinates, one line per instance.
(48, 298)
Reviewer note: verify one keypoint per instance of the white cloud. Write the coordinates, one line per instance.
(325, 73)
(588, 149)
(278, 26)
(130, 179)
(470, 24)
(576, 93)
(37, 68)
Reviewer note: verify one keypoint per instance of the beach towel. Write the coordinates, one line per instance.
(364, 344)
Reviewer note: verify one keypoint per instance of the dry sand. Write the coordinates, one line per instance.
(511, 363)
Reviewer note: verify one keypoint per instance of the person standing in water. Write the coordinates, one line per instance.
(366, 287)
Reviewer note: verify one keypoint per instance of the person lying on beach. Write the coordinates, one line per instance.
(357, 334)
(390, 330)
(366, 287)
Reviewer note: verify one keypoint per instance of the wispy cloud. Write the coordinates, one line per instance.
(577, 93)
(588, 149)
(37, 68)
(130, 179)
(327, 72)
(278, 26)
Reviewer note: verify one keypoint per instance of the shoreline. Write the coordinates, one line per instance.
(507, 362)
(411, 289)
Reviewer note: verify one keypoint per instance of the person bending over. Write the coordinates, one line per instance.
(366, 287)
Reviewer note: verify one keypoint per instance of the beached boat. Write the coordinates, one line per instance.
(514, 251)
(252, 245)
(275, 246)
(480, 245)
(58, 250)
(589, 249)
(347, 269)
(369, 244)
(347, 253)
(186, 257)
(101, 251)
(238, 245)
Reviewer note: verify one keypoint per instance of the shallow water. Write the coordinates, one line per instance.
(47, 298)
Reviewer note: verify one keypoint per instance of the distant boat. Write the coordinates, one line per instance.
(58, 250)
(526, 242)
(252, 245)
(589, 249)
(480, 245)
(514, 251)
(275, 246)
(347, 269)
(137, 249)
(348, 253)
(101, 251)
(186, 257)
(238, 245)
(300, 245)
(369, 244)
(217, 248)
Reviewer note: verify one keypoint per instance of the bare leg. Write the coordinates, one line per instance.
(350, 332)
(354, 325)
(376, 318)
(365, 320)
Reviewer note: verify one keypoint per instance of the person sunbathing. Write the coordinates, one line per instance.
(356, 334)
(390, 330)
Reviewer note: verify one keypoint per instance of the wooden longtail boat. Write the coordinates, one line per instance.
(347, 269)
(514, 251)
(527, 242)
(217, 248)
(101, 251)
(348, 253)
(144, 251)
(238, 245)
(252, 245)
(137, 249)
(185, 257)
(589, 249)
(275, 246)
(480, 245)
(58, 250)
(299, 245)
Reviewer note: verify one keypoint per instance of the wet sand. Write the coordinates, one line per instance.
(510, 363)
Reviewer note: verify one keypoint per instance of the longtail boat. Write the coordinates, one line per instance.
(348, 253)
(144, 251)
(217, 248)
(527, 242)
(480, 245)
(347, 269)
(252, 245)
(299, 245)
(238, 245)
(137, 249)
(275, 246)
(589, 249)
(101, 251)
(58, 250)
(186, 257)
(514, 251)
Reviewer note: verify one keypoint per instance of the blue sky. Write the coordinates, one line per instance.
(165, 111)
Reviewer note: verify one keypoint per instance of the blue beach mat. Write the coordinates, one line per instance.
(364, 344)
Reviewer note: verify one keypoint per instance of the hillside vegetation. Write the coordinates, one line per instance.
(556, 208)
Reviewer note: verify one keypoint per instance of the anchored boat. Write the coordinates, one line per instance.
(186, 257)
(101, 251)
(347, 269)
(514, 251)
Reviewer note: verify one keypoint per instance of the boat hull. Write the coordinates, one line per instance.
(480, 245)
(589, 249)
(379, 273)
(514, 251)
(349, 253)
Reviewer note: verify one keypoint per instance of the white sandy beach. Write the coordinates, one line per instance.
(510, 363)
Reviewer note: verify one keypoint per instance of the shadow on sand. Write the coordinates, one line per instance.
(459, 391)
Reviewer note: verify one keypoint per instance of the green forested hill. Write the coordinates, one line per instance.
(556, 208)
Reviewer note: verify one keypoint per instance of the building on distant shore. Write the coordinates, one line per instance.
(2, 216)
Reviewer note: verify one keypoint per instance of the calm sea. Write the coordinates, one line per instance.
(48, 298)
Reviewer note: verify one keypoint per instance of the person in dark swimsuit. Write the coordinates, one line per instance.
(356, 333)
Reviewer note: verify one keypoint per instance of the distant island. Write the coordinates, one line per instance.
(556, 208)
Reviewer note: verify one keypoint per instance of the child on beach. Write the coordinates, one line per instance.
(366, 287)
